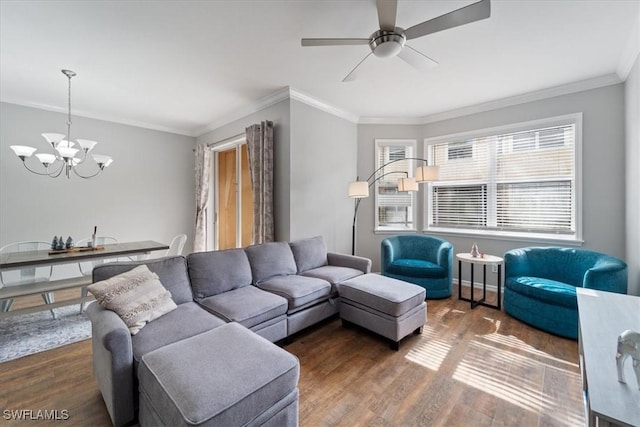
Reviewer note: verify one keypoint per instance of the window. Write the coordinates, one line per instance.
(521, 181)
(540, 139)
(394, 209)
(460, 150)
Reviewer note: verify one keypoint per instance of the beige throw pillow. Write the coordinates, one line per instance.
(137, 296)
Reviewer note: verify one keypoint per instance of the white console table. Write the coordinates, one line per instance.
(603, 316)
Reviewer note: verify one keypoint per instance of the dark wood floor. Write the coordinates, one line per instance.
(469, 368)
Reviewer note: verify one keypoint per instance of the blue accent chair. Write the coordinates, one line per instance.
(423, 260)
(540, 284)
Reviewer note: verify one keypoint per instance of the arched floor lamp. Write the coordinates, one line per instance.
(360, 189)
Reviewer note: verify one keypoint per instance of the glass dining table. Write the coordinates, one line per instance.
(28, 259)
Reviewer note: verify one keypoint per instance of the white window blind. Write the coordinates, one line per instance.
(514, 182)
(394, 209)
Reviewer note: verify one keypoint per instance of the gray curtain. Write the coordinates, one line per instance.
(260, 144)
(202, 171)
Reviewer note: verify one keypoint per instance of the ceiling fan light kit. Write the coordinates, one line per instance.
(387, 44)
(389, 40)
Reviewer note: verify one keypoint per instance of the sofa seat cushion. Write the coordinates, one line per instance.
(227, 377)
(185, 321)
(248, 306)
(546, 290)
(416, 268)
(333, 274)
(383, 294)
(298, 290)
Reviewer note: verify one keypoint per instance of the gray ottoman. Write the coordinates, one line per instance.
(228, 376)
(386, 306)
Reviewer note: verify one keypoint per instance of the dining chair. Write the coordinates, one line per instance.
(86, 267)
(176, 245)
(175, 248)
(26, 275)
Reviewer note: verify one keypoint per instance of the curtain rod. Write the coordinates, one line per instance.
(222, 141)
(231, 138)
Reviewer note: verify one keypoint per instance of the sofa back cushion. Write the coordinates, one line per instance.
(309, 253)
(215, 272)
(269, 260)
(172, 272)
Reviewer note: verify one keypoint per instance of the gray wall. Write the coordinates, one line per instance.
(632, 114)
(124, 202)
(323, 162)
(603, 166)
(314, 159)
(367, 242)
(280, 115)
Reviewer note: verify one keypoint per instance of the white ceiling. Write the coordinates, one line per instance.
(182, 65)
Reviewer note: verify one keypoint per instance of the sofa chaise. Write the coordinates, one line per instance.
(273, 289)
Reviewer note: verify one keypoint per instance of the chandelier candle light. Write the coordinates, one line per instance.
(63, 157)
(360, 189)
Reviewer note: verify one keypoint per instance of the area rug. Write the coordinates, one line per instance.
(32, 333)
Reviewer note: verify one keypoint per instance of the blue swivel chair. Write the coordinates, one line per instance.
(540, 284)
(423, 260)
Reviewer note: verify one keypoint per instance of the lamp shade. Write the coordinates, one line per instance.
(86, 144)
(22, 151)
(102, 160)
(427, 173)
(46, 159)
(66, 152)
(358, 189)
(53, 138)
(407, 184)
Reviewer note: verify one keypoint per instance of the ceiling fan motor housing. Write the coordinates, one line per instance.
(386, 44)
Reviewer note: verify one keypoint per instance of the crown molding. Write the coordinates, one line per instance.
(112, 119)
(285, 93)
(631, 51)
(390, 121)
(321, 105)
(261, 104)
(579, 86)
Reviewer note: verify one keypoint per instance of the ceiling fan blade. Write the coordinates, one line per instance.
(387, 12)
(416, 59)
(473, 12)
(333, 42)
(353, 74)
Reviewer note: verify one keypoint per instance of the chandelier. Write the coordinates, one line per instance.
(63, 154)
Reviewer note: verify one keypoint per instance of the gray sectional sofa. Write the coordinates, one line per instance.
(273, 289)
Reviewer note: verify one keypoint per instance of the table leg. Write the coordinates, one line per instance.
(499, 286)
(484, 282)
(460, 280)
(472, 285)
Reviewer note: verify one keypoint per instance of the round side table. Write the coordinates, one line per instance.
(483, 260)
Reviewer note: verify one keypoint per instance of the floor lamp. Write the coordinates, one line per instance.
(360, 189)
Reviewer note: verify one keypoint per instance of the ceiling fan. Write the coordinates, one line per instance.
(389, 40)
